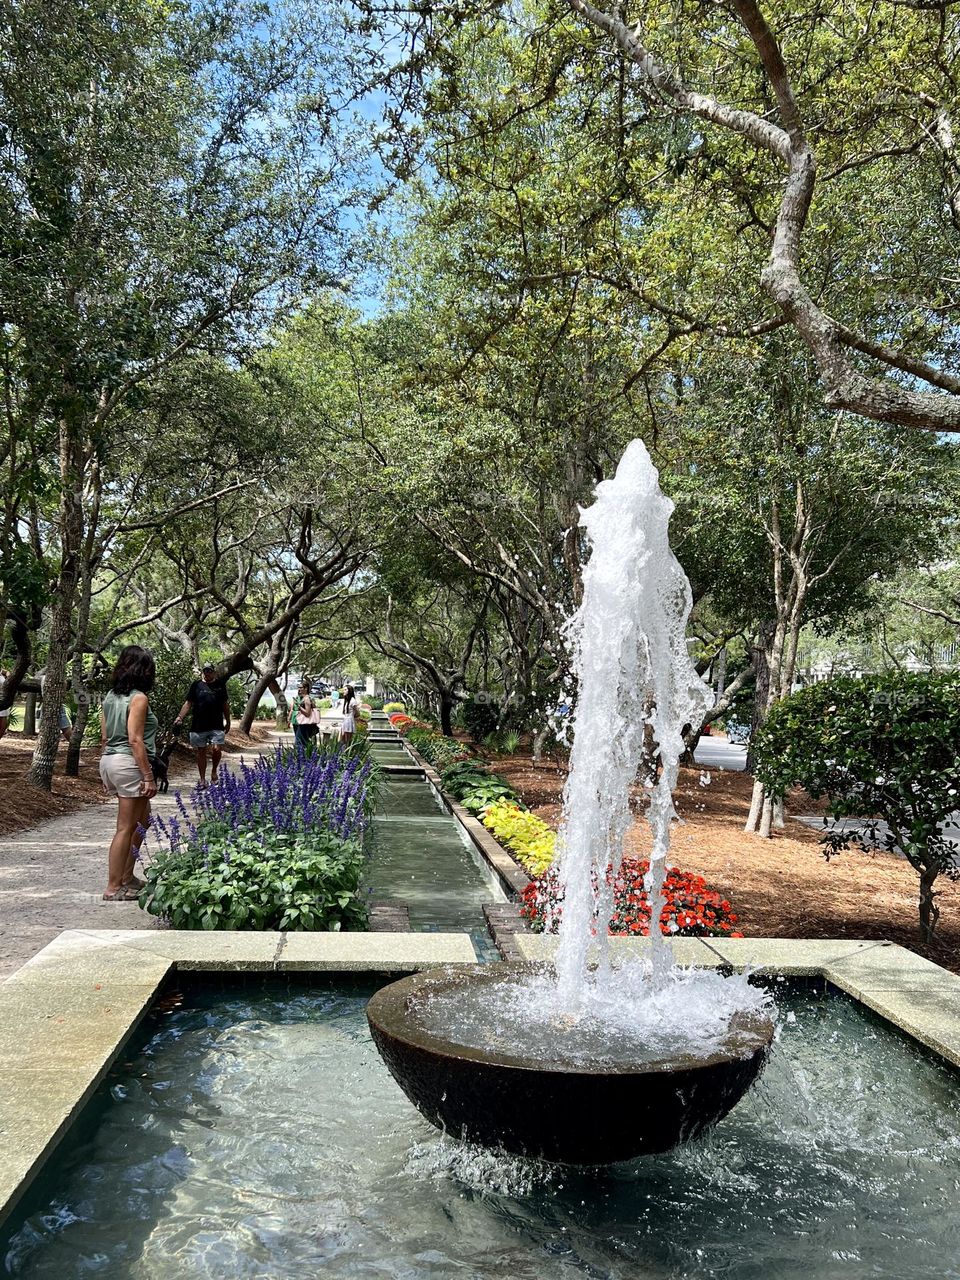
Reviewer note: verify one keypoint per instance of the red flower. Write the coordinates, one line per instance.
(690, 907)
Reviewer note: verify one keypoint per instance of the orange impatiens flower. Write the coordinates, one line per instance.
(691, 908)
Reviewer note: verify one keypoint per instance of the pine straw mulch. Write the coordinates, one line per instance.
(779, 888)
(23, 806)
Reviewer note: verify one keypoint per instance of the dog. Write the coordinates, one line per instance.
(166, 741)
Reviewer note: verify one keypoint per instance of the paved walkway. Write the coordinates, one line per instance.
(52, 877)
(950, 829)
(718, 753)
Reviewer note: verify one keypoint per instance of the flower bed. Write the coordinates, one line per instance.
(393, 706)
(436, 748)
(691, 909)
(527, 837)
(276, 846)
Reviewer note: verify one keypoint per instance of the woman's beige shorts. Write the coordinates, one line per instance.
(121, 776)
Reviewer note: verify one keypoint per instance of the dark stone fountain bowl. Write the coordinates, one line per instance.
(576, 1114)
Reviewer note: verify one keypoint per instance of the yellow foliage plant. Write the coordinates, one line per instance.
(527, 837)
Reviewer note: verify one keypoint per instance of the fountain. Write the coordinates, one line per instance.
(586, 1061)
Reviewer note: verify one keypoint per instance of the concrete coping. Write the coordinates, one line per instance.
(66, 1015)
(918, 997)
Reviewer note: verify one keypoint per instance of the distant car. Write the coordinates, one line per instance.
(738, 733)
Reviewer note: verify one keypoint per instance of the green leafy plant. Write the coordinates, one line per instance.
(434, 747)
(175, 674)
(475, 787)
(457, 777)
(882, 750)
(259, 880)
(237, 696)
(481, 796)
(276, 845)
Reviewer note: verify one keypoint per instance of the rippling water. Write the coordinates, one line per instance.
(258, 1135)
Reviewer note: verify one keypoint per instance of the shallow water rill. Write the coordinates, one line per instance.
(256, 1134)
(462, 1046)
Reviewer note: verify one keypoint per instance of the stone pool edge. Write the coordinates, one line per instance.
(918, 997)
(66, 1015)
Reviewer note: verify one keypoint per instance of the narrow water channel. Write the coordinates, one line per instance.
(420, 856)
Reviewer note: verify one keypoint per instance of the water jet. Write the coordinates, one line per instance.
(584, 1062)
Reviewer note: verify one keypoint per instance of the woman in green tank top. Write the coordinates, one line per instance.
(128, 732)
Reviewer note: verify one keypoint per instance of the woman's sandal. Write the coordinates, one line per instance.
(134, 883)
(126, 893)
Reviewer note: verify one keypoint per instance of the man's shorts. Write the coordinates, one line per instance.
(4, 712)
(212, 738)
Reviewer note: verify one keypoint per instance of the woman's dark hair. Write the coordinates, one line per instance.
(135, 671)
(349, 697)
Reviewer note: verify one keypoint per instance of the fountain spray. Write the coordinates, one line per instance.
(636, 682)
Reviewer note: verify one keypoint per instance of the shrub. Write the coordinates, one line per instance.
(525, 835)
(479, 718)
(882, 749)
(394, 706)
(175, 675)
(237, 696)
(691, 909)
(491, 791)
(276, 846)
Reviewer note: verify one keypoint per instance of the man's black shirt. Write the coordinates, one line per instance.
(207, 701)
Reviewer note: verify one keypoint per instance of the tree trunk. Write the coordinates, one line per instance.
(263, 682)
(539, 739)
(447, 703)
(283, 706)
(61, 621)
(756, 806)
(20, 634)
(30, 716)
(54, 693)
(72, 767)
(761, 695)
(929, 911)
(766, 816)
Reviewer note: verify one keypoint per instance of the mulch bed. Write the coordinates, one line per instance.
(779, 888)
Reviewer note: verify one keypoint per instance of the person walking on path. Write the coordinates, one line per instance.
(6, 708)
(208, 706)
(349, 726)
(306, 716)
(128, 733)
